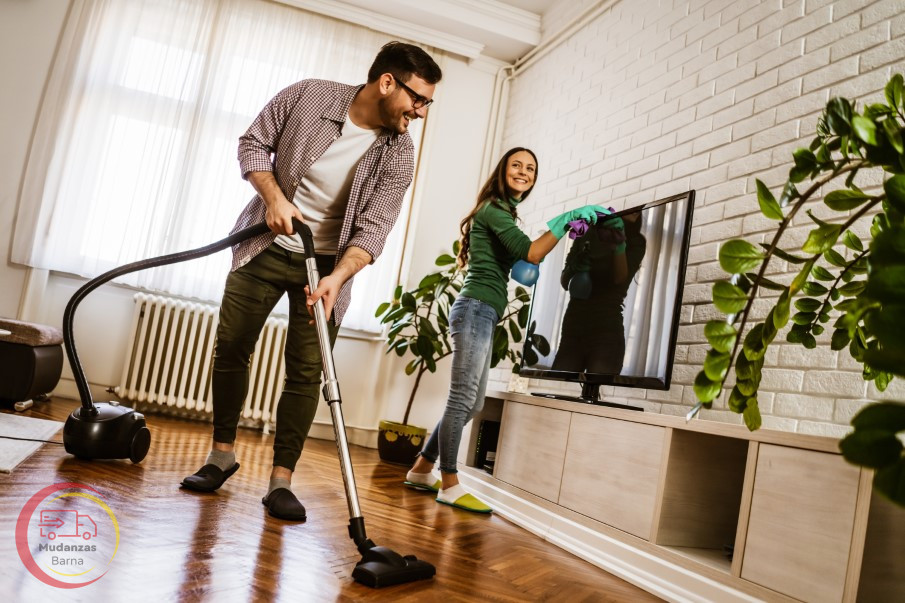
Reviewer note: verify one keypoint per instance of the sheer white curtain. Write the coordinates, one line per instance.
(134, 154)
(650, 299)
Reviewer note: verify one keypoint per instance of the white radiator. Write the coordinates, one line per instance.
(170, 359)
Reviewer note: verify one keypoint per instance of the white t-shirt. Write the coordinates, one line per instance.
(323, 193)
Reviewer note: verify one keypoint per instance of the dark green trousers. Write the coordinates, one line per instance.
(250, 295)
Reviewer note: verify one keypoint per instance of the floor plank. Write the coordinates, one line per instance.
(177, 545)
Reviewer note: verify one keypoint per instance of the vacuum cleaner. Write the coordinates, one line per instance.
(107, 430)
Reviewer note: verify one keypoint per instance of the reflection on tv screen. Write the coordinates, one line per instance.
(608, 301)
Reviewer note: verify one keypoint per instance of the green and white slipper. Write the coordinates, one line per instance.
(426, 482)
(457, 497)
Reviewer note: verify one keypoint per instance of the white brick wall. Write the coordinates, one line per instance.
(657, 96)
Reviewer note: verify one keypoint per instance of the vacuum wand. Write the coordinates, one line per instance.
(379, 566)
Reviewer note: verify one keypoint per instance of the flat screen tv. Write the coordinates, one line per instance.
(608, 302)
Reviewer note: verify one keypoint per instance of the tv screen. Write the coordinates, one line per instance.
(608, 301)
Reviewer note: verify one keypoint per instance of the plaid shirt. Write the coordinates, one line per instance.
(296, 127)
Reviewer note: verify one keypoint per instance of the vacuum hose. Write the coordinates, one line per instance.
(106, 430)
(182, 256)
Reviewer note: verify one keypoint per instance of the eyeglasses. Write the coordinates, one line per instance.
(418, 101)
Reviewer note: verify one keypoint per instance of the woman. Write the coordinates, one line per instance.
(491, 243)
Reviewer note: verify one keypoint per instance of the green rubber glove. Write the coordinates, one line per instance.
(559, 225)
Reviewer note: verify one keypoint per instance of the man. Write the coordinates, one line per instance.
(342, 161)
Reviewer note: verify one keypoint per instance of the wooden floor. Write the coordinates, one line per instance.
(178, 545)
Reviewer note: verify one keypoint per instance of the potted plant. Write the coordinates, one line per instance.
(418, 322)
(860, 285)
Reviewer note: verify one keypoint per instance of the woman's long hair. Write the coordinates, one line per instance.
(495, 191)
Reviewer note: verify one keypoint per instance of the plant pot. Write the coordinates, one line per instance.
(398, 443)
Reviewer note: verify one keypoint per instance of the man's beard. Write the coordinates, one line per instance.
(388, 119)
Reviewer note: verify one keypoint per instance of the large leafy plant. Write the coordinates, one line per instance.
(418, 322)
(850, 289)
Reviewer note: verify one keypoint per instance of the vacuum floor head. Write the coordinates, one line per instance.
(380, 566)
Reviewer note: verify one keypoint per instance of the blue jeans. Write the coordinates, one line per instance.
(471, 325)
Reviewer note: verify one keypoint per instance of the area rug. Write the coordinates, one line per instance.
(13, 452)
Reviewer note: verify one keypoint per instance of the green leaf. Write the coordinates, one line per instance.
(852, 289)
(851, 240)
(408, 301)
(728, 298)
(893, 92)
(840, 339)
(705, 389)
(768, 205)
(822, 274)
(804, 318)
(769, 332)
(738, 256)
(424, 346)
(808, 341)
(882, 380)
(893, 134)
(430, 280)
(523, 315)
(766, 283)
(751, 415)
(785, 255)
(895, 192)
(445, 260)
(716, 365)
(814, 288)
(815, 219)
(874, 448)
(754, 347)
(844, 200)
(801, 277)
(411, 366)
(781, 311)
(789, 192)
(822, 238)
(807, 304)
(737, 400)
(865, 129)
(382, 308)
(748, 387)
(834, 258)
(747, 370)
(839, 116)
(515, 331)
(720, 335)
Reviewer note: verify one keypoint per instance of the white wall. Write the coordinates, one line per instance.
(654, 97)
(28, 36)
(373, 385)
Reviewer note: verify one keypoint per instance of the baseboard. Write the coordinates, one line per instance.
(617, 556)
(359, 436)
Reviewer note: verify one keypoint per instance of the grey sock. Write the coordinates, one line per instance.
(277, 482)
(224, 460)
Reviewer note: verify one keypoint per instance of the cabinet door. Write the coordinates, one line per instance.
(532, 448)
(801, 521)
(612, 472)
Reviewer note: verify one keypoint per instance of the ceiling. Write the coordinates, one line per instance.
(501, 29)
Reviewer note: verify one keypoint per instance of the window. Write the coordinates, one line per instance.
(135, 149)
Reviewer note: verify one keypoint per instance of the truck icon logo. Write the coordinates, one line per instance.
(66, 524)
